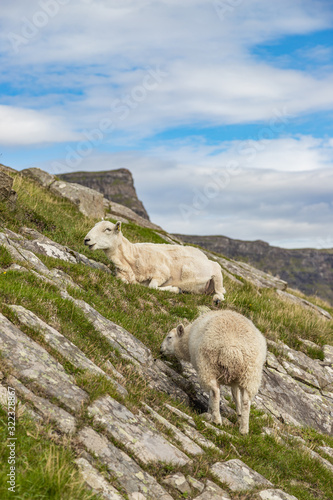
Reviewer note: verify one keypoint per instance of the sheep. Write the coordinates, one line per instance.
(225, 348)
(174, 268)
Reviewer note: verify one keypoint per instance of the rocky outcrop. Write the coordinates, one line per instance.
(88, 201)
(125, 214)
(306, 269)
(115, 185)
(117, 447)
(7, 194)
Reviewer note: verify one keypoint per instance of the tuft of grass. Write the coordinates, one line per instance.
(5, 258)
(44, 468)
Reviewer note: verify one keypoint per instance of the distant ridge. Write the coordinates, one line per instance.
(309, 270)
(115, 185)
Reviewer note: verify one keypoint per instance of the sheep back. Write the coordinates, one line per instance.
(227, 346)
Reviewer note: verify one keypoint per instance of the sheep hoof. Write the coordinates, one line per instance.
(217, 299)
(217, 420)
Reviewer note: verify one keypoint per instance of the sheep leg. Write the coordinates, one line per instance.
(236, 394)
(214, 401)
(244, 420)
(156, 284)
(218, 284)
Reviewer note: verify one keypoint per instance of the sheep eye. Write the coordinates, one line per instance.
(107, 229)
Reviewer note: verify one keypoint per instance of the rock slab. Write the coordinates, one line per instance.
(135, 433)
(132, 478)
(238, 476)
(30, 361)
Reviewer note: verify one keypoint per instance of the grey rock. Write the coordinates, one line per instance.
(312, 366)
(303, 303)
(178, 482)
(309, 343)
(299, 374)
(88, 201)
(218, 431)
(6, 191)
(318, 457)
(187, 444)
(213, 492)
(283, 397)
(275, 495)
(163, 378)
(96, 481)
(180, 414)
(272, 362)
(115, 210)
(196, 486)
(327, 450)
(65, 422)
(22, 255)
(116, 185)
(29, 361)
(8, 170)
(328, 353)
(238, 476)
(117, 336)
(134, 432)
(62, 345)
(43, 178)
(198, 437)
(41, 244)
(109, 367)
(128, 473)
(258, 278)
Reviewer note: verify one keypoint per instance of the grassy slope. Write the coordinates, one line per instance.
(148, 314)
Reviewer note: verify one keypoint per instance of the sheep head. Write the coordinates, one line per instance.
(170, 345)
(104, 236)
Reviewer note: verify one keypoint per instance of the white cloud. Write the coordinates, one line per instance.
(19, 126)
(101, 50)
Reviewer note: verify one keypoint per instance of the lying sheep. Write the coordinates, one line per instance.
(225, 348)
(166, 267)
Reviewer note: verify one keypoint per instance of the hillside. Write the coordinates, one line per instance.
(115, 185)
(307, 269)
(100, 414)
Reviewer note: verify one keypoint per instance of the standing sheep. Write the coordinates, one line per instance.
(225, 348)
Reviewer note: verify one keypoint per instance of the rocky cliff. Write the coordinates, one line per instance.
(115, 185)
(100, 415)
(308, 270)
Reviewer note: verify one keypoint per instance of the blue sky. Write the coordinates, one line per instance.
(221, 109)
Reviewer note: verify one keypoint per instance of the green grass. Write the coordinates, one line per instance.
(5, 258)
(45, 466)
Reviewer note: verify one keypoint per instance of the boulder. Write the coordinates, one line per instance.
(238, 476)
(37, 174)
(6, 191)
(129, 474)
(137, 435)
(96, 481)
(29, 361)
(88, 201)
(115, 211)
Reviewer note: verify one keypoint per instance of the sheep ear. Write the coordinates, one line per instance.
(180, 330)
(118, 226)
